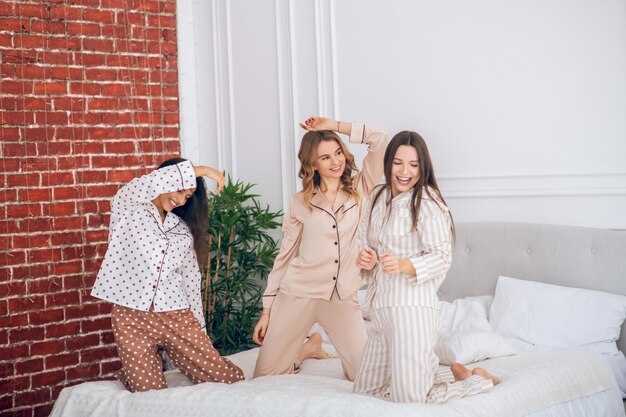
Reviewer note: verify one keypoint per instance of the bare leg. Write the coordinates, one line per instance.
(486, 375)
(312, 348)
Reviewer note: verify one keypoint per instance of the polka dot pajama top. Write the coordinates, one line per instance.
(150, 263)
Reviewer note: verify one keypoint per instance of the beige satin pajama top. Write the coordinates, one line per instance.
(320, 243)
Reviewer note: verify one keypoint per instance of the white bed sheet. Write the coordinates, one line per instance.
(534, 384)
(616, 362)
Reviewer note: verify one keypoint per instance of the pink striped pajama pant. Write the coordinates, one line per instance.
(399, 361)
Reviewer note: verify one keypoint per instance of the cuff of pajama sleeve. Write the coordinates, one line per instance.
(268, 300)
(421, 270)
(188, 174)
(357, 133)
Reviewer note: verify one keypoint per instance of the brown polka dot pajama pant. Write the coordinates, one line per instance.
(138, 334)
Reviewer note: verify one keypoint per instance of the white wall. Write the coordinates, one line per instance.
(523, 104)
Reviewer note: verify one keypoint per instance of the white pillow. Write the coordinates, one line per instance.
(550, 315)
(616, 362)
(462, 314)
(485, 302)
(465, 334)
(471, 346)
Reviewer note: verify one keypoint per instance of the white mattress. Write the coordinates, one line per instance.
(537, 384)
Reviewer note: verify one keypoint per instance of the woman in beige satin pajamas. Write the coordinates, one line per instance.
(315, 277)
(406, 239)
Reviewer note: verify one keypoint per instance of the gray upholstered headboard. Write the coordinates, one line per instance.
(562, 255)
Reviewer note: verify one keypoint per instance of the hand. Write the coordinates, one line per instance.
(218, 177)
(315, 123)
(391, 264)
(367, 259)
(214, 174)
(261, 327)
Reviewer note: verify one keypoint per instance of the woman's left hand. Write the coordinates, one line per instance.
(367, 259)
(315, 123)
(214, 174)
(218, 177)
(394, 265)
(390, 263)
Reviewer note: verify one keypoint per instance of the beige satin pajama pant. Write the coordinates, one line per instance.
(291, 319)
(138, 334)
(399, 361)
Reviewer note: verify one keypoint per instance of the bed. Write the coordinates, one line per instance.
(544, 372)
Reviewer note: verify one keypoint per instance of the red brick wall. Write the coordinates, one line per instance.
(88, 100)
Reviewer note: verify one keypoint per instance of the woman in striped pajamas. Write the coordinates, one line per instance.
(406, 240)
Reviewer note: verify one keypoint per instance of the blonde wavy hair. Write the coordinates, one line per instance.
(308, 155)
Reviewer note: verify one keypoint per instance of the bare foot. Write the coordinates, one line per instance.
(460, 372)
(312, 348)
(486, 375)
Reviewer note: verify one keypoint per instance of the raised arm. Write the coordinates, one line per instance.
(373, 167)
(214, 174)
(168, 179)
(147, 187)
(376, 141)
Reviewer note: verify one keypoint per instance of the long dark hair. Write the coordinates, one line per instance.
(195, 213)
(426, 180)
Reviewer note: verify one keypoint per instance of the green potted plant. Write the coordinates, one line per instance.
(241, 255)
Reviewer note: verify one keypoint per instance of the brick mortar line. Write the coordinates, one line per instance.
(86, 7)
(89, 52)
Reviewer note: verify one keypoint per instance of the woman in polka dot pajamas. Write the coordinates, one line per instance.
(151, 275)
(406, 240)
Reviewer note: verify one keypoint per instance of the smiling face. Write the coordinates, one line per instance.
(331, 161)
(405, 169)
(167, 202)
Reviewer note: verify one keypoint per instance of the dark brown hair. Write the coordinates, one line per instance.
(426, 180)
